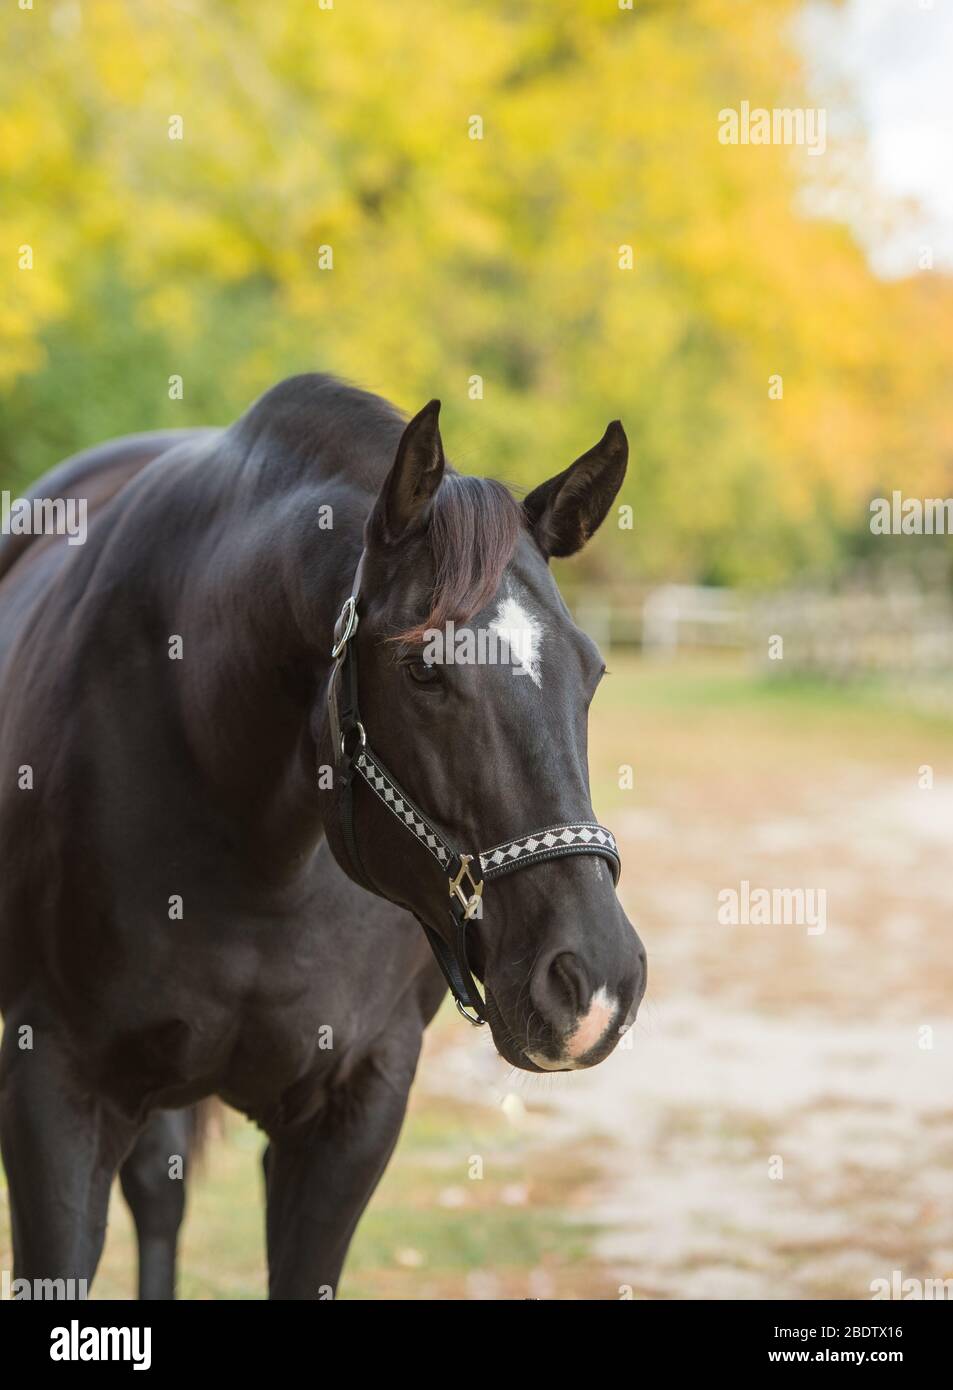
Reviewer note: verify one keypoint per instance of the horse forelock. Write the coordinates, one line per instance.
(474, 527)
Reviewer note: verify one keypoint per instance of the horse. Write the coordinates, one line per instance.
(209, 713)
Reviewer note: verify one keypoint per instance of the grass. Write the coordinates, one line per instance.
(695, 720)
(718, 687)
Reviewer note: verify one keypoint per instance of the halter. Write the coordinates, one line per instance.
(466, 874)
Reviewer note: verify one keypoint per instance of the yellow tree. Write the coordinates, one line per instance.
(525, 209)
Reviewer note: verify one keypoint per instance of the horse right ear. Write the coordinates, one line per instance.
(565, 511)
(404, 500)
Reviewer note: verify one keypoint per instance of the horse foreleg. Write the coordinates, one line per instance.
(61, 1147)
(153, 1179)
(320, 1176)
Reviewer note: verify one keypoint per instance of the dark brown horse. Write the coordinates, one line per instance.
(172, 780)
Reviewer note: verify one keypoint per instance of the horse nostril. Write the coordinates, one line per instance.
(568, 985)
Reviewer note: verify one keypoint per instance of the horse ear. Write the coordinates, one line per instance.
(415, 475)
(563, 513)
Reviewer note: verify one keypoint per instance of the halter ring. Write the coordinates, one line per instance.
(470, 1018)
(362, 736)
(348, 619)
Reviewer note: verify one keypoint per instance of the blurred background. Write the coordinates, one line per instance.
(525, 209)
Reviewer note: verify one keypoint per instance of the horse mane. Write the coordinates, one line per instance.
(475, 524)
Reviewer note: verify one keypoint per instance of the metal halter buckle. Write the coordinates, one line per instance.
(471, 904)
(348, 624)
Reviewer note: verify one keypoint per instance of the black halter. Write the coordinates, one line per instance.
(465, 873)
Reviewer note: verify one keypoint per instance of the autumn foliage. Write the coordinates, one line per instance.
(229, 192)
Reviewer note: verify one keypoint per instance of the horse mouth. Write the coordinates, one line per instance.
(559, 1056)
(504, 1039)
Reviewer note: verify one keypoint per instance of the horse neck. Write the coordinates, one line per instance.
(258, 600)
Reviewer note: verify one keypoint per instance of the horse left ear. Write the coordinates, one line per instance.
(404, 500)
(563, 513)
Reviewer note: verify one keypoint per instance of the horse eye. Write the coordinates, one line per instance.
(422, 673)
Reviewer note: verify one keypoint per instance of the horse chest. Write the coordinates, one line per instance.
(248, 1007)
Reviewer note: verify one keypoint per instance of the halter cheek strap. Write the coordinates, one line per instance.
(466, 874)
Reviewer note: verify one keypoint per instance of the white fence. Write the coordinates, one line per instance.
(686, 615)
(896, 631)
(855, 634)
